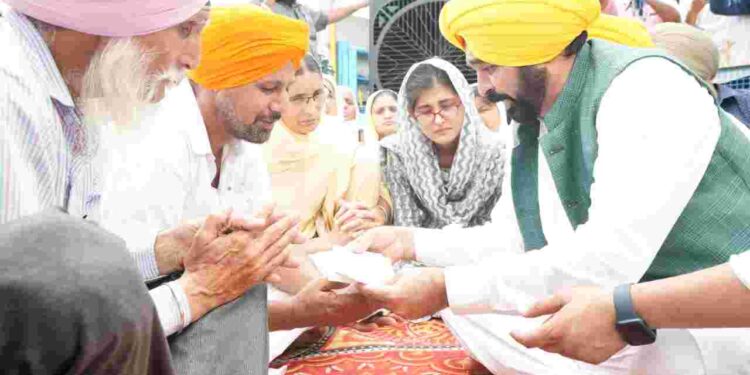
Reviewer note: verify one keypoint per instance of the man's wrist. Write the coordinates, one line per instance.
(281, 315)
(636, 296)
(697, 6)
(407, 235)
(438, 285)
(166, 260)
(197, 299)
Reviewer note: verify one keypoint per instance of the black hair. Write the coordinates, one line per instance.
(309, 65)
(575, 46)
(423, 78)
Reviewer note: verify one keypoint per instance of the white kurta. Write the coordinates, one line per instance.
(166, 179)
(657, 130)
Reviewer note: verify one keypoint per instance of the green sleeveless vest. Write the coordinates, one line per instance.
(713, 226)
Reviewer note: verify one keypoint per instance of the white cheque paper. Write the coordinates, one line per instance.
(343, 265)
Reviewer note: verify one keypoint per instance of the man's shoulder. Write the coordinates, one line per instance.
(16, 71)
(24, 98)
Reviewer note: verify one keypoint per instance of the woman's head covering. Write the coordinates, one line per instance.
(474, 181)
(330, 84)
(529, 32)
(244, 43)
(342, 90)
(691, 46)
(370, 130)
(111, 18)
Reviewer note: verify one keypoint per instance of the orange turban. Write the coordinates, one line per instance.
(244, 43)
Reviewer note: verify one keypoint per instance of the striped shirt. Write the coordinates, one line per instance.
(46, 153)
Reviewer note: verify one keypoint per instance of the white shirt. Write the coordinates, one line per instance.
(628, 218)
(165, 178)
(47, 154)
(650, 161)
(731, 34)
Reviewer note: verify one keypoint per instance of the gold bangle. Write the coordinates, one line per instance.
(386, 216)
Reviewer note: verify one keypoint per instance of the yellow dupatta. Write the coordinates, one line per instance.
(311, 173)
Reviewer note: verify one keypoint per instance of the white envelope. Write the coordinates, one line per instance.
(343, 265)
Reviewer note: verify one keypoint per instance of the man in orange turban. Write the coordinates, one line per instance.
(621, 157)
(210, 162)
(249, 56)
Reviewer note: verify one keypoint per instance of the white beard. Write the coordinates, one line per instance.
(117, 86)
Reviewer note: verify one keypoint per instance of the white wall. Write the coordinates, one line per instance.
(354, 29)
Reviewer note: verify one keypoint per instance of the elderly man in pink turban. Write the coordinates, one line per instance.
(73, 301)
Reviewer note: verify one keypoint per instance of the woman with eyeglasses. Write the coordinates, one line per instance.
(443, 167)
(314, 172)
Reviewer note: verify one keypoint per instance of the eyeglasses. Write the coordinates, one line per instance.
(303, 100)
(447, 110)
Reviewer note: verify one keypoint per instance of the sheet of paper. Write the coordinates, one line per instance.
(343, 265)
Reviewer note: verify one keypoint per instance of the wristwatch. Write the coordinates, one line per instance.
(633, 330)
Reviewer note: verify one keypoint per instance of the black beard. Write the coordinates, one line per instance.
(494, 97)
(521, 111)
(532, 87)
(531, 91)
(527, 107)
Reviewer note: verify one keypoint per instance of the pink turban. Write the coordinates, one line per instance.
(112, 18)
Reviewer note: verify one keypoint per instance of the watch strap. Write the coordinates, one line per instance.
(624, 309)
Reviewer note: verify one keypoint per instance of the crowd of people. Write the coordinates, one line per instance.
(170, 166)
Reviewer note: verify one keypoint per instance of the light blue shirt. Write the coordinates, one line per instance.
(46, 153)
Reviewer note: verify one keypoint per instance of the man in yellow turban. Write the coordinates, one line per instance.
(623, 170)
(206, 158)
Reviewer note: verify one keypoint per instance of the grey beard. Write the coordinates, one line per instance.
(252, 133)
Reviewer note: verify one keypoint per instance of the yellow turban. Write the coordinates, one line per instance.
(244, 43)
(528, 32)
(516, 32)
(621, 30)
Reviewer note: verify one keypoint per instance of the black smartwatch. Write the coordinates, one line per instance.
(630, 326)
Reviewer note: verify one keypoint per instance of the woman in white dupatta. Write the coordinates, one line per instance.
(381, 114)
(443, 167)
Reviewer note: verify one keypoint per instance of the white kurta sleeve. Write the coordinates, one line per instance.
(172, 306)
(453, 246)
(141, 205)
(657, 130)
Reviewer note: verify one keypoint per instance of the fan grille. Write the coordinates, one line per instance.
(406, 32)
